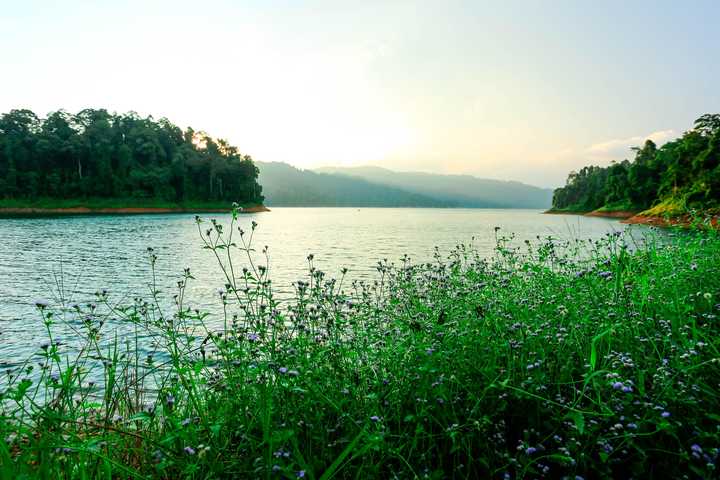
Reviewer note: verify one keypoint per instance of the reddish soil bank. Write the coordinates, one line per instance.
(682, 221)
(122, 210)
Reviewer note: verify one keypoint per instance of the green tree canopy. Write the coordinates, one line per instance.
(99, 154)
(685, 171)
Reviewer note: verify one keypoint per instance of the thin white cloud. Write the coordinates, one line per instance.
(620, 147)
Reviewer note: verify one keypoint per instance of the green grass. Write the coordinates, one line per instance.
(668, 208)
(618, 207)
(593, 359)
(576, 209)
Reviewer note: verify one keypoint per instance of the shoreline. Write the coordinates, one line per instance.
(634, 218)
(621, 214)
(680, 221)
(39, 211)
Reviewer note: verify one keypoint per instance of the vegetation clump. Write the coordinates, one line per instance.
(547, 360)
(95, 158)
(681, 176)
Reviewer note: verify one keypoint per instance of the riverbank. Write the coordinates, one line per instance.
(648, 218)
(621, 214)
(32, 211)
(677, 221)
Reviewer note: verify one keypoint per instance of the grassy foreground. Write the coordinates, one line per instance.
(586, 360)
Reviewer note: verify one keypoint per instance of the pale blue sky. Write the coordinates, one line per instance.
(515, 90)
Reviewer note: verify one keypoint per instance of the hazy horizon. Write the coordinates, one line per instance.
(525, 92)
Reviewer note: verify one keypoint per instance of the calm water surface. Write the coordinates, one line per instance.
(68, 259)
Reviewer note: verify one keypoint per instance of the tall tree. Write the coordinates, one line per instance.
(95, 153)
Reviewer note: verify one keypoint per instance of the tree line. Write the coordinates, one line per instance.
(97, 154)
(684, 172)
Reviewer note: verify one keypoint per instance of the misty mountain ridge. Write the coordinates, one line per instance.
(463, 190)
(285, 185)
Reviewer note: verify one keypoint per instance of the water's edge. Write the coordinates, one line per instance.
(32, 211)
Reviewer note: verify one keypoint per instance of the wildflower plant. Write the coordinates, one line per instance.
(548, 360)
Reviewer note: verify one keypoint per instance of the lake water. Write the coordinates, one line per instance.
(70, 258)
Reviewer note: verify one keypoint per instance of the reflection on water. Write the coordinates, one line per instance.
(70, 258)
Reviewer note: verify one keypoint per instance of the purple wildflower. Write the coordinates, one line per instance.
(530, 450)
(375, 418)
(283, 370)
(665, 414)
(189, 450)
(617, 385)
(301, 474)
(41, 303)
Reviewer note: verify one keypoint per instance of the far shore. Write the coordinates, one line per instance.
(636, 218)
(81, 210)
(621, 214)
(680, 221)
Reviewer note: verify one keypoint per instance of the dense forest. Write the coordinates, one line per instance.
(679, 176)
(95, 154)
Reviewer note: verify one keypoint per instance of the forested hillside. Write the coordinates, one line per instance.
(95, 154)
(461, 190)
(285, 185)
(677, 177)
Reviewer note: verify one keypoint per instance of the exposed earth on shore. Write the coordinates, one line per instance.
(635, 218)
(31, 211)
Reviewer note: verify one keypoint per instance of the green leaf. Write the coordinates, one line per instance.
(281, 436)
(579, 420)
(560, 458)
(141, 417)
(593, 347)
(332, 469)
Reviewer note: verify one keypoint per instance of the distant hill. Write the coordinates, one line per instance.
(462, 190)
(285, 185)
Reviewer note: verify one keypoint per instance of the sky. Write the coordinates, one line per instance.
(514, 90)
